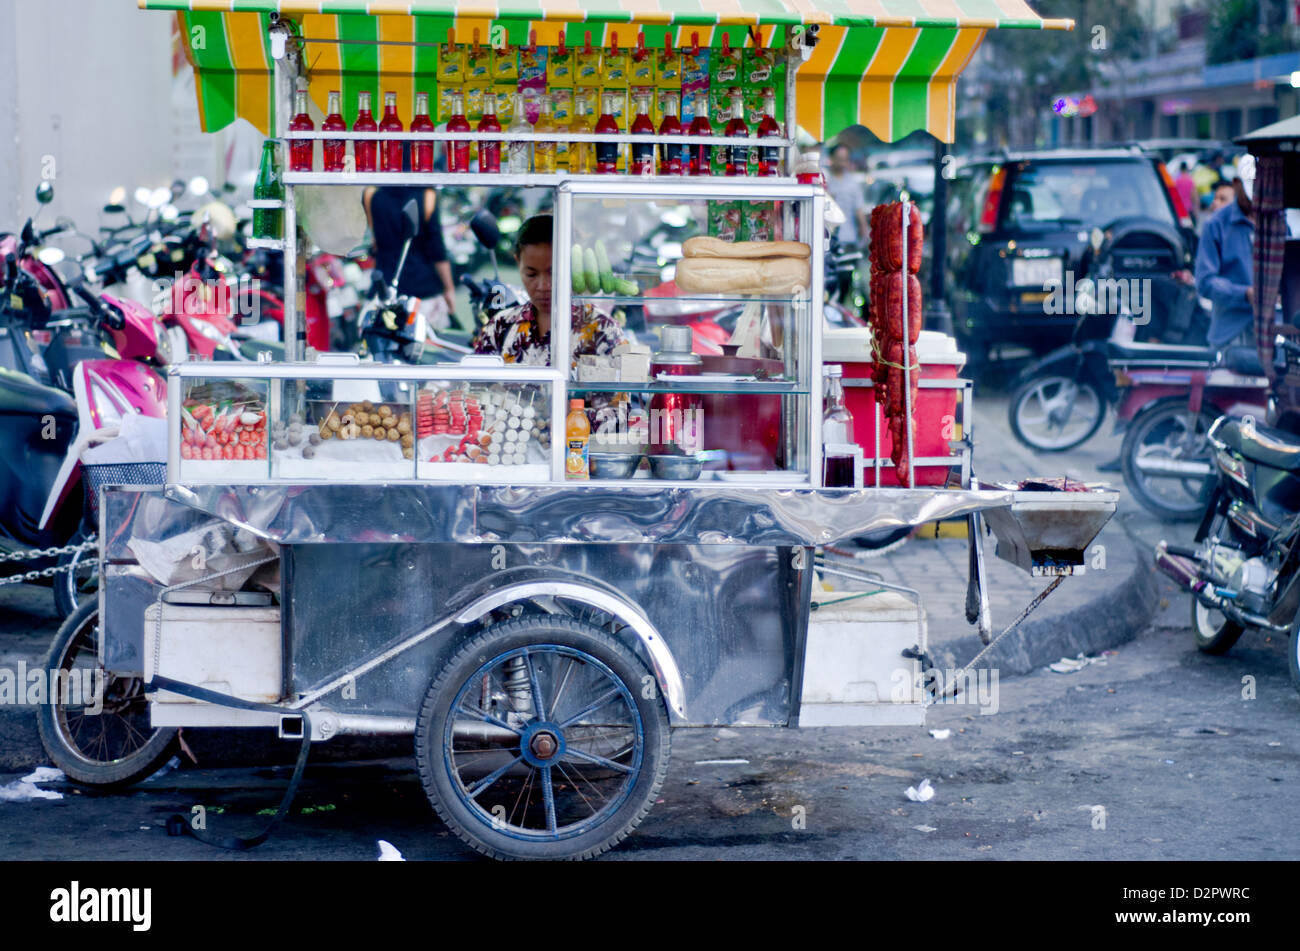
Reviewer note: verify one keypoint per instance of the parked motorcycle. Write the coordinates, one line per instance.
(1244, 569)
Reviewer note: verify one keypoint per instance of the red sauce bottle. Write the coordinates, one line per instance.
(769, 157)
(301, 153)
(737, 155)
(672, 158)
(606, 152)
(365, 151)
(489, 152)
(334, 151)
(643, 153)
(422, 152)
(458, 151)
(701, 156)
(390, 153)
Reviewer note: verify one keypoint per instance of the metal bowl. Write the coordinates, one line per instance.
(613, 465)
(680, 468)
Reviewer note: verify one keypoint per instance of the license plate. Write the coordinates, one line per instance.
(1035, 272)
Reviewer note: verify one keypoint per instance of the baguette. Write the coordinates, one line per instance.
(705, 247)
(775, 277)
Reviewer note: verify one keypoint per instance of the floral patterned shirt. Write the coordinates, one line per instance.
(512, 334)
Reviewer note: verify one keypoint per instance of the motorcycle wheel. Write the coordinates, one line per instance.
(79, 582)
(1214, 633)
(1167, 431)
(1293, 654)
(111, 748)
(882, 543)
(1054, 413)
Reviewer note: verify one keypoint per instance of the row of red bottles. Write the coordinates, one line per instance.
(370, 155)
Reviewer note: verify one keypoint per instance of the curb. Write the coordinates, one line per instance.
(1115, 615)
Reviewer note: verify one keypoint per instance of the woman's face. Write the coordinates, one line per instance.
(535, 271)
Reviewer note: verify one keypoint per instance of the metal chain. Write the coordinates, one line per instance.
(47, 572)
(35, 553)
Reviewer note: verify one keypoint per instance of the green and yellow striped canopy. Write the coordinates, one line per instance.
(890, 65)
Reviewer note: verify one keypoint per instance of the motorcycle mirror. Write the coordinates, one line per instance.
(198, 185)
(177, 188)
(45, 193)
(485, 228)
(28, 235)
(411, 216)
(50, 256)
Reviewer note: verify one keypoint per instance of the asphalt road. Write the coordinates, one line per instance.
(1158, 753)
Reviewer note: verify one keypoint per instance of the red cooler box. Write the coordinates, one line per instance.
(935, 412)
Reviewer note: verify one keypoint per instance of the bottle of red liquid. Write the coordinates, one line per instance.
(489, 152)
(701, 156)
(334, 151)
(643, 153)
(606, 152)
(672, 158)
(365, 151)
(422, 152)
(457, 150)
(390, 152)
(769, 157)
(301, 153)
(737, 155)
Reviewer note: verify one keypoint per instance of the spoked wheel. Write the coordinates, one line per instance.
(104, 739)
(1055, 413)
(1167, 460)
(79, 582)
(543, 738)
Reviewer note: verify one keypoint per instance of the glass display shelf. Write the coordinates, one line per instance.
(757, 387)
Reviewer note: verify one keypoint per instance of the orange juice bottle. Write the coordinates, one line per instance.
(577, 434)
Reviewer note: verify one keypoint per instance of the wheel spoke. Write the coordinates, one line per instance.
(548, 796)
(489, 779)
(592, 707)
(598, 760)
(555, 701)
(539, 708)
(578, 789)
(477, 714)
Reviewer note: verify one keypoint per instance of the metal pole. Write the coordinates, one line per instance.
(937, 316)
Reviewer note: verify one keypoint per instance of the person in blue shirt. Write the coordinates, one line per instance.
(1223, 269)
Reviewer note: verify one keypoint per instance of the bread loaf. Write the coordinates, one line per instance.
(705, 247)
(776, 277)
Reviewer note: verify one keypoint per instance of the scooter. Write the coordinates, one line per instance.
(1244, 568)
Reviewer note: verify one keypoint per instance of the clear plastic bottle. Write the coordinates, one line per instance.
(577, 435)
(520, 161)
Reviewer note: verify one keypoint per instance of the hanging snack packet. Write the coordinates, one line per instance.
(695, 82)
(505, 66)
(726, 66)
(478, 65)
(613, 67)
(560, 68)
(532, 68)
(451, 65)
(586, 70)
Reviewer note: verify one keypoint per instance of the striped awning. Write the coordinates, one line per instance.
(889, 65)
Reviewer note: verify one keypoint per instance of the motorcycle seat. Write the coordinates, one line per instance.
(1262, 444)
(1160, 353)
(1243, 360)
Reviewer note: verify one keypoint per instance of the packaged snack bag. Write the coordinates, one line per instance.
(532, 103)
(759, 65)
(725, 69)
(757, 221)
(725, 220)
(641, 67)
(586, 69)
(478, 65)
(474, 96)
(505, 103)
(505, 66)
(560, 63)
(695, 81)
(668, 69)
(614, 67)
(532, 68)
(451, 65)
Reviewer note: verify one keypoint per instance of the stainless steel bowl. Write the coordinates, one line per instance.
(679, 468)
(614, 465)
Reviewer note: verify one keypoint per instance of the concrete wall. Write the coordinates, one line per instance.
(85, 95)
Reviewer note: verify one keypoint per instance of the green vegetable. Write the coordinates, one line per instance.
(576, 266)
(606, 273)
(626, 288)
(592, 274)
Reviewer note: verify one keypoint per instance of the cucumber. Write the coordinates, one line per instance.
(606, 273)
(591, 275)
(576, 266)
(626, 288)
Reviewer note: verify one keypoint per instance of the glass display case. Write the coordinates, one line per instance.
(716, 286)
(363, 423)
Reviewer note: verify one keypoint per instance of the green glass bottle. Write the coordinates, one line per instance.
(268, 222)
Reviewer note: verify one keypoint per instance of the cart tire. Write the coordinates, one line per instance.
(115, 747)
(569, 809)
(1213, 633)
(77, 582)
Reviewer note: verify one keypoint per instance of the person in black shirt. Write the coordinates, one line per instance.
(427, 272)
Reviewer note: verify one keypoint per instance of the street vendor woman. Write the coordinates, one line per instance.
(523, 334)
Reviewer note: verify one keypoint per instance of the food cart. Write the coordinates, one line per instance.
(357, 567)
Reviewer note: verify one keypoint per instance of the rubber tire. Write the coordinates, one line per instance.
(883, 542)
(1127, 454)
(506, 636)
(1293, 649)
(64, 602)
(108, 775)
(1221, 641)
(1023, 390)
